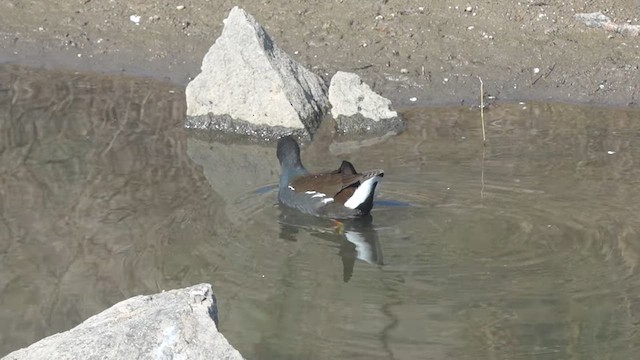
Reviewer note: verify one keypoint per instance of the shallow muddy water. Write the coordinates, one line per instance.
(527, 248)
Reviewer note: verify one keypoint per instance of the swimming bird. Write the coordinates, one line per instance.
(342, 193)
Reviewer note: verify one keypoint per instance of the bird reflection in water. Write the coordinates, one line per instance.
(357, 238)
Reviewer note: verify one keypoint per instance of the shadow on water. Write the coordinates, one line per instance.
(528, 250)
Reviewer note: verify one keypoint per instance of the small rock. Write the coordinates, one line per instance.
(135, 19)
(404, 71)
(180, 7)
(413, 99)
(595, 19)
(536, 70)
(359, 110)
(599, 20)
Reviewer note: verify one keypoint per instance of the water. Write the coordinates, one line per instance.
(525, 249)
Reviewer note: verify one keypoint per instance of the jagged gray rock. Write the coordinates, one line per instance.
(177, 324)
(359, 110)
(250, 86)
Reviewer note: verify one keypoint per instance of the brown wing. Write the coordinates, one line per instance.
(326, 183)
(339, 184)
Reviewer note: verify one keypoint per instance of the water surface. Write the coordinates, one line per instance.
(524, 249)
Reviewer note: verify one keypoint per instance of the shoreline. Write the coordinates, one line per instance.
(525, 53)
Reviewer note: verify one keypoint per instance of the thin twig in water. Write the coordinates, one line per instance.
(484, 148)
(484, 137)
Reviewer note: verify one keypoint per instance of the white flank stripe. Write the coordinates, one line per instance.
(310, 192)
(362, 193)
(327, 200)
(319, 195)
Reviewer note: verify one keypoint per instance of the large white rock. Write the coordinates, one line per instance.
(357, 109)
(246, 77)
(177, 324)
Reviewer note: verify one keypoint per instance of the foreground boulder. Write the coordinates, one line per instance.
(359, 110)
(174, 324)
(250, 86)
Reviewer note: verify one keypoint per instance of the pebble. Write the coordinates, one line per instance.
(404, 71)
(180, 7)
(536, 70)
(611, 152)
(413, 99)
(135, 19)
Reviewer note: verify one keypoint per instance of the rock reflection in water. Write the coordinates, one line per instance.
(95, 185)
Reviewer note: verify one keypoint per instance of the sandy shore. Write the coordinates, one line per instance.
(413, 52)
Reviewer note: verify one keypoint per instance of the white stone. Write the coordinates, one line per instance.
(349, 96)
(135, 19)
(246, 76)
(358, 110)
(176, 324)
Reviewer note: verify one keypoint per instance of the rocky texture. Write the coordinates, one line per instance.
(174, 324)
(600, 20)
(248, 85)
(359, 110)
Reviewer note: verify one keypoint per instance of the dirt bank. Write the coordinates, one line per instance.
(430, 51)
